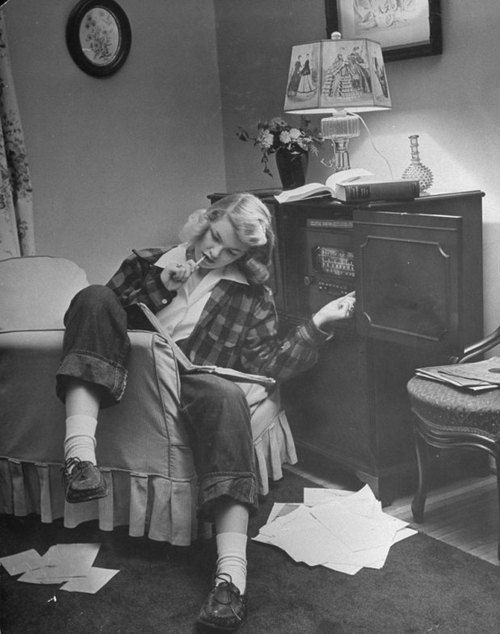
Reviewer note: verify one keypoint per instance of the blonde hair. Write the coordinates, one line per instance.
(251, 221)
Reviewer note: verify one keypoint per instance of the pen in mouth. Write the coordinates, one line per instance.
(198, 262)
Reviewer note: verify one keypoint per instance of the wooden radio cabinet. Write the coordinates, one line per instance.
(416, 267)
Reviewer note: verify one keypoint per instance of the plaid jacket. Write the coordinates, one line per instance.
(238, 327)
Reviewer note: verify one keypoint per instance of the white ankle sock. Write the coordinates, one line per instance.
(79, 441)
(232, 558)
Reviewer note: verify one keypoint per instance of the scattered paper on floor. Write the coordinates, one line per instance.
(341, 530)
(21, 562)
(68, 564)
(62, 562)
(93, 581)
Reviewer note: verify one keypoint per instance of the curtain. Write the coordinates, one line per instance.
(16, 199)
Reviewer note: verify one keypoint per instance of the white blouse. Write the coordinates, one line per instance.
(181, 316)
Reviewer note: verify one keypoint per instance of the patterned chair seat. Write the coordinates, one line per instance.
(452, 409)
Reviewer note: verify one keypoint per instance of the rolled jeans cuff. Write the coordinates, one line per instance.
(238, 486)
(91, 367)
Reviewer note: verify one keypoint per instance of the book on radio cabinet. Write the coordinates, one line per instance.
(366, 189)
(355, 185)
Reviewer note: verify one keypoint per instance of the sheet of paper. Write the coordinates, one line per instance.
(403, 534)
(345, 531)
(62, 562)
(263, 539)
(355, 531)
(280, 509)
(313, 496)
(379, 556)
(363, 502)
(280, 522)
(68, 564)
(305, 539)
(21, 562)
(42, 576)
(310, 542)
(93, 581)
(345, 568)
(71, 557)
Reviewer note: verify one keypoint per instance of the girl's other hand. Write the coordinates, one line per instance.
(336, 310)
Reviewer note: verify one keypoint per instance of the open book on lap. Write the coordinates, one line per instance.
(189, 367)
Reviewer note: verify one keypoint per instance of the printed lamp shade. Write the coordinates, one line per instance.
(337, 74)
(337, 77)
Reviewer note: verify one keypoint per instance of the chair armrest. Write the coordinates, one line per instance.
(32, 426)
(480, 347)
(141, 434)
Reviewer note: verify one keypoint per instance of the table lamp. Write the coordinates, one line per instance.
(339, 78)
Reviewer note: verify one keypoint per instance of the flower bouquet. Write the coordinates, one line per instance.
(277, 134)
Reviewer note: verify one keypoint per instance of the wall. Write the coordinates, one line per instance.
(450, 100)
(118, 163)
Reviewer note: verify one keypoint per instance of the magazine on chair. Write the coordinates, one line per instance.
(475, 377)
(190, 367)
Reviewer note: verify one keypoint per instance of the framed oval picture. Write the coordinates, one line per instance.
(98, 36)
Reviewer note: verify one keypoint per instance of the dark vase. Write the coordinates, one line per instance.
(292, 167)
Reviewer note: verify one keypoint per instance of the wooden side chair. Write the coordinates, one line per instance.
(448, 418)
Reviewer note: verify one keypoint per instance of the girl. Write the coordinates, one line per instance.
(209, 293)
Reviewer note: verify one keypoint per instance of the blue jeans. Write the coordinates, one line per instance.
(215, 411)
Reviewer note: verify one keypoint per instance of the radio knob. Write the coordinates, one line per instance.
(309, 279)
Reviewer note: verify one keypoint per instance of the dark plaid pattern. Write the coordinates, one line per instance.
(238, 327)
(138, 280)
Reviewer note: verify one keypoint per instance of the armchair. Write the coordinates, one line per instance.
(142, 446)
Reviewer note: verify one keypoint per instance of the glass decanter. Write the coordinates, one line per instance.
(416, 170)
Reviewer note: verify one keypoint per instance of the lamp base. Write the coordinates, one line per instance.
(340, 160)
(340, 127)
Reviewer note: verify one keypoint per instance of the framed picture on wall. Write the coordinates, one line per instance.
(98, 36)
(404, 28)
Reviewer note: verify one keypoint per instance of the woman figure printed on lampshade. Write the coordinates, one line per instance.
(347, 76)
(306, 86)
(332, 86)
(380, 74)
(293, 84)
(357, 64)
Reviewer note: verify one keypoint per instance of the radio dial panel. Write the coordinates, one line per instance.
(329, 266)
(333, 261)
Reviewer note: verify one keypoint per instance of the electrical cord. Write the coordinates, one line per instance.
(355, 114)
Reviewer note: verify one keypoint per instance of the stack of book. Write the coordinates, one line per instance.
(472, 377)
(354, 186)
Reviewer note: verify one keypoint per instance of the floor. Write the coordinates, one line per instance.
(463, 514)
